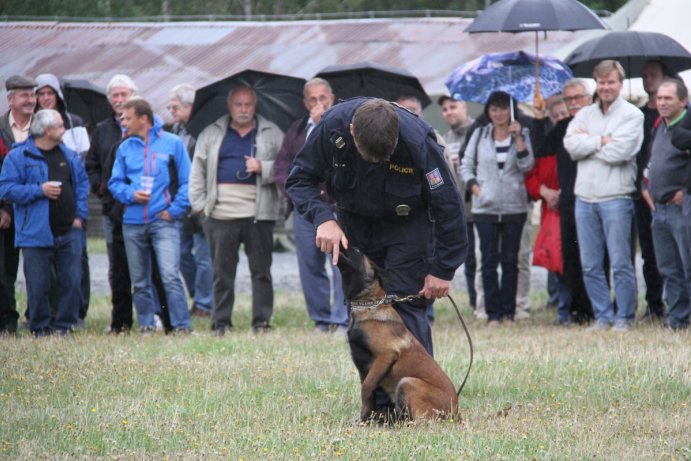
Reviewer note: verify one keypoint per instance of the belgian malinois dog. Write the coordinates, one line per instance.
(386, 353)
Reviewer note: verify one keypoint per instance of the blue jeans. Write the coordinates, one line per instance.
(606, 226)
(65, 255)
(164, 237)
(195, 266)
(315, 280)
(499, 243)
(673, 261)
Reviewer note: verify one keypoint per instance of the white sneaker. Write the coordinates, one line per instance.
(158, 323)
(481, 314)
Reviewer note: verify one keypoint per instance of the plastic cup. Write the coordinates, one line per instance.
(147, 184)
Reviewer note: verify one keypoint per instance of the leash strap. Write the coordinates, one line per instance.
(470, 344)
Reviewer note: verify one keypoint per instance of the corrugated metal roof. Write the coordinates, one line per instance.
(160, 55)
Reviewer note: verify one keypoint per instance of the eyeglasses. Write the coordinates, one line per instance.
(576, 97)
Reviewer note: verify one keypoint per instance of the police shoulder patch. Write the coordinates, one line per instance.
(434, 179)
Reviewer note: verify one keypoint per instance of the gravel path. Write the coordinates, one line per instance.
(285, 274)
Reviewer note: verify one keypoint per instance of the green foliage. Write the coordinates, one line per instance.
(138, 8)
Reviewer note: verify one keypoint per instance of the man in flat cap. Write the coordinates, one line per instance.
(14, 127)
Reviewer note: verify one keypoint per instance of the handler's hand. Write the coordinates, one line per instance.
(435, 287)
(330, 237)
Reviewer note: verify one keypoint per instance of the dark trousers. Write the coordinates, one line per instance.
(10, 260)
(64, 256)
(499, 244)
(8, 313)
(225, 237)
(651, 275)
(470, 267)
(86, 282)
(581, 308)
(120, 283)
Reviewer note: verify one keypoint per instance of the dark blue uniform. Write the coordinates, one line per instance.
(405, 214)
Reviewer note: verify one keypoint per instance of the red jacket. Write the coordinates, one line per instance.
(547, 251)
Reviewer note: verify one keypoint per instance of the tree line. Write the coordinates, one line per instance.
(250, 9)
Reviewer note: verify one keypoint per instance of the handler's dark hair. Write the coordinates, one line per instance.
(141, 107)
(375, 130)
(502, 100)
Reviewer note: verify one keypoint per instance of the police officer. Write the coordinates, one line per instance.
(395, 197)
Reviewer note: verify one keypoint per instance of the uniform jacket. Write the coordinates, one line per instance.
(501, 194)
(416, 175)
(204, 175)
(154, 156)
(605, 172)
(23, 174)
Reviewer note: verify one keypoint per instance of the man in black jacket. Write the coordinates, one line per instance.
(99, 162)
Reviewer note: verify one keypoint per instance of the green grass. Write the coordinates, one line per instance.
(535, 392)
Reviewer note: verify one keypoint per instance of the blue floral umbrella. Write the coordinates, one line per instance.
(512, 72)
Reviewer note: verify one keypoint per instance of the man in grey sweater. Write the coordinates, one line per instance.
(603, 139)
(667, 175)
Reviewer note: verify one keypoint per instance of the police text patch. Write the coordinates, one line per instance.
(434, 179)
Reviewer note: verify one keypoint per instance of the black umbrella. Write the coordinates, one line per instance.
(632, 49)
(279, 99)
(86, 100)
(371, 79)
(535, 16)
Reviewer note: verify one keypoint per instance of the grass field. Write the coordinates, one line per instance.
(535, 392)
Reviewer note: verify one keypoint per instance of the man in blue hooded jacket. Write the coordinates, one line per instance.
(150, 178)
(47, 184)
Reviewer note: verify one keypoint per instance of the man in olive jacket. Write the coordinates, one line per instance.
(232, 186)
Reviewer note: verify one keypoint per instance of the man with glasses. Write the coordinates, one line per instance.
(232, 186)
(195, 255)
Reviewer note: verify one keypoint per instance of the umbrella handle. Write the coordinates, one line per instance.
(538, 101)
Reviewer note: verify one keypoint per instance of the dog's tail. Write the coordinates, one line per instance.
(470, 344)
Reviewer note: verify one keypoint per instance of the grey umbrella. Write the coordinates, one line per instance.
(535, 16)
(632, 49)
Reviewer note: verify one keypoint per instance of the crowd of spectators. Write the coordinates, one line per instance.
(177, 210)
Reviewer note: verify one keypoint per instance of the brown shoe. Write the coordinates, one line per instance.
(197, 312)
